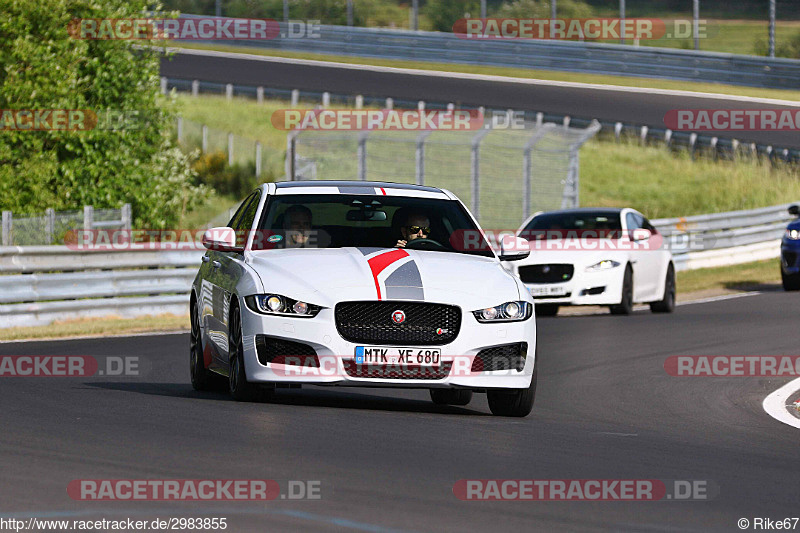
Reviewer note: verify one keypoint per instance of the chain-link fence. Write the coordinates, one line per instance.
(504, 175)
(52, 226)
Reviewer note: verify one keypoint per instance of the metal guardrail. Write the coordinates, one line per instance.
(40, 284)
(590, 58)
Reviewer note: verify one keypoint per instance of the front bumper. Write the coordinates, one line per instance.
(790, 256)
(584, 288)
(334, 352)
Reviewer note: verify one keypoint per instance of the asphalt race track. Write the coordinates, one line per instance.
(387, 460)
(583, 102)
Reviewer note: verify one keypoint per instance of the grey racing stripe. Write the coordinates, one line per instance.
(405, 283)
(366, 250)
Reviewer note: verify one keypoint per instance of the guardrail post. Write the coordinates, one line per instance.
(359, 101)
(326, 99)
(714, 141)
(362, 155)
(295, 97)
(258, 159)
(230, 149)
(539, 119)
(349, 12)
(419, 155)
(229, 91)
(7, 223)
(88, 217)
(291, 154)
(260, 94)
(692, 144)
(195, 87)
(643, 135)
(126, 217)
(421, 105)
(475, 171)
(180, 128)
(451, 107)
(567, 120)
(49, 224)
(668, 137)
(734, 147)
(389, 103)
(204, 142)
(163, 85)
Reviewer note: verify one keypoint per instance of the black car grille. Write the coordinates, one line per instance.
(374, 371)
(554, 273)
(503, 357)
(284, 352)
(425, 324)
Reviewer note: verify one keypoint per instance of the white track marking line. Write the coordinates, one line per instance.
(775, 404)
(486, 77)
(720, 298)
(111, 336)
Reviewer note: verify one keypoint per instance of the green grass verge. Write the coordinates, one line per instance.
(551, 75)
(744, 277)
(652, 179)
(97, 327)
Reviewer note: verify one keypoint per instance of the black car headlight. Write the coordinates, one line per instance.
(507, 312)
(275, 304)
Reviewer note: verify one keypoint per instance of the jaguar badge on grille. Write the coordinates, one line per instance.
(398, 317)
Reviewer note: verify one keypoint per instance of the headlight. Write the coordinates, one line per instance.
(792, 234)
(507, 312)
(605, 264)
(275, 304)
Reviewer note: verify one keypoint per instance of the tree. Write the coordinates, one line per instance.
(130, 161)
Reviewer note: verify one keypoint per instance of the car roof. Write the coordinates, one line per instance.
(579, 210)
(377, 188)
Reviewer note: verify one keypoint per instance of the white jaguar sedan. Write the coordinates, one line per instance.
(360, 284)
(596, 256)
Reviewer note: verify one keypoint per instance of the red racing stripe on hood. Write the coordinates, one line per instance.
(378, 263)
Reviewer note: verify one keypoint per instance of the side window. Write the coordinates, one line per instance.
(647, 225)
(631, 222)
(238, 215)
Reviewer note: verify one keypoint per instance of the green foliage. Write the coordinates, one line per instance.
(42, 67)
(238, 180)
(541, 9)
(787, 48)
(442, 14)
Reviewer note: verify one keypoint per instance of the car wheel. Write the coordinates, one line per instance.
(625, 307)
(546, 309)
(514, 402)
(202, 379)
(667, 304)
(451, 396)
(791, 282)
(240, 389)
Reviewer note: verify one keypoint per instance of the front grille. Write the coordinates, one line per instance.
(284, 352)
(554, 273)
(425, 324)
(552, 297)
(503, 357)
(374, 371)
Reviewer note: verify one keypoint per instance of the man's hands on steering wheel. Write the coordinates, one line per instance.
(424, 244)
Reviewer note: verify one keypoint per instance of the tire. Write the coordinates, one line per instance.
(546, 309)
(625, 307)
(451, 396)
(202, 378)
(791, 282)
(515, 402)
(667, 303)
(241, 390)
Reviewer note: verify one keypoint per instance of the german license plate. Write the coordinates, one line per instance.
(387, 355)
(548, 290)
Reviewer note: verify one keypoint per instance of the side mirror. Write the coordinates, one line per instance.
(794, 210)
(514, 248)
(640, 234)
(221, 239)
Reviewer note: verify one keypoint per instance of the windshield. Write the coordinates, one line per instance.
(338, 221)
(584, 224)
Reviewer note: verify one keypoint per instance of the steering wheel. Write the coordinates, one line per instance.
(425, 244)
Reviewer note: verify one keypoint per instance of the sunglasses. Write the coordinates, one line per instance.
(416, 229)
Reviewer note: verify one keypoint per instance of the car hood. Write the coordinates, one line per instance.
(327, 276)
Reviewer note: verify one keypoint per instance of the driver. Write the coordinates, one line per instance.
(297, 226)
(416, 226)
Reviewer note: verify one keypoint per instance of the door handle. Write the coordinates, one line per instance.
(216, 264)
(206, 259)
